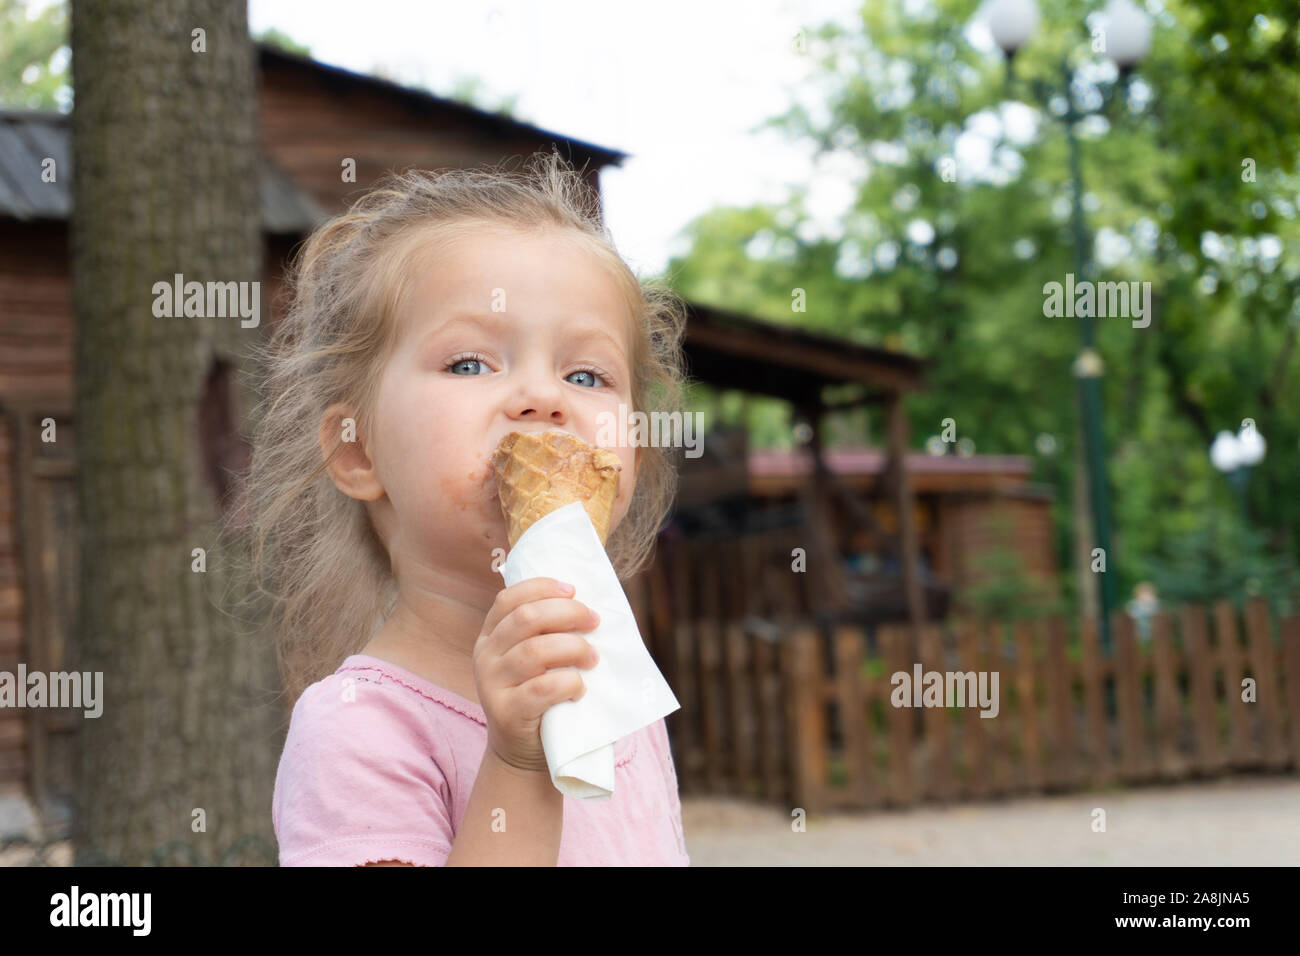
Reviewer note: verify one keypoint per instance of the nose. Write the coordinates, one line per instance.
(539, 396)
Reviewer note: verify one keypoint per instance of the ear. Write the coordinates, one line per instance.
(350, 468)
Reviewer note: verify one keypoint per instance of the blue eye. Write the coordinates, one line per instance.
(590, 373)
(474, 364)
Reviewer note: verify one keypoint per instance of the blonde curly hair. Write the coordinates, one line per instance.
(314, 552)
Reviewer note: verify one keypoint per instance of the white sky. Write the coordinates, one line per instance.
(678, 84)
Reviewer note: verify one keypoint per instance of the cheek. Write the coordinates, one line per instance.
(425, 465)
(464, 481)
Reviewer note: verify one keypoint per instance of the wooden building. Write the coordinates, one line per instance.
(839, 536)
(965, 509)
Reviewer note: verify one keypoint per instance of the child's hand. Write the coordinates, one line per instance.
(527, 631)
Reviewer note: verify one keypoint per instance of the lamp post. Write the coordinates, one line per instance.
(1235, 455)
(1127, 38)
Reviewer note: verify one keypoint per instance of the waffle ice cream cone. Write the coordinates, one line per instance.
(538, 473)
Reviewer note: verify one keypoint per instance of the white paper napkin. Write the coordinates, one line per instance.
(625, 690)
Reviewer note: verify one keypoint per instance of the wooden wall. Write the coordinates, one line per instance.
(36, 370)
(35, 310)
(13, 752)
(972, 527)
(311, 120)
(37, 490)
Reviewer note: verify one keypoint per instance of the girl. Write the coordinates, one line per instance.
(441, 312)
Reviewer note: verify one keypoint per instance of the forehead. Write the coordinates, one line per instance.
(484, 267)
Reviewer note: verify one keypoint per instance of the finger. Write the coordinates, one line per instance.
(536, 655)
(547, 616)
(510, 598)
(551, 688)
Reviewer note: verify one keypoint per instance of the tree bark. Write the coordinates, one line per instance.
(165, 154)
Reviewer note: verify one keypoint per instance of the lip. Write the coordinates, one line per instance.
(535, 431)
(531, 431)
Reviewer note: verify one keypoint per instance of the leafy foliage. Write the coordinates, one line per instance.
(953, 266)
(34, 57)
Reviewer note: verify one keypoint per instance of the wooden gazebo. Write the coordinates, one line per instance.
(730, 351)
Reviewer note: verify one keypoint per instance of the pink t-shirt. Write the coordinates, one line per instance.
(379, 764)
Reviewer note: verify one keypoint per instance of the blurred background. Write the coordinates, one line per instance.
(911, 456)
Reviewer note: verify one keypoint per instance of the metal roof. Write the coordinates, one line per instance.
(28, 137)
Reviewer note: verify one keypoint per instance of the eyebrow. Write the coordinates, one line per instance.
(499, 319)
(466, 318)
(591, 332)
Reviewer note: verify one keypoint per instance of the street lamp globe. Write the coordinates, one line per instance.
(1250, 446)
(1225, 452)
(1128, 33)
(1011, 22)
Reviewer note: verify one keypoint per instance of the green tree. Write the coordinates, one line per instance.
(953, 266)
(278, 38)
(34, 56)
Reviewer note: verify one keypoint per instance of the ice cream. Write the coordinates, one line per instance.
(537, 473)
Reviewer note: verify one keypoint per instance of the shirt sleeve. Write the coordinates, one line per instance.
(358, 782)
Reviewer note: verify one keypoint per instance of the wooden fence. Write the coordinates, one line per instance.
(778, 710)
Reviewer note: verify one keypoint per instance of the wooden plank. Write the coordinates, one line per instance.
(1128, 698)
(707, 633)
(1263, 666)
(1096, 740)
(659, 599)
(1169, 716)
(13, 731)
(858, 735)
(741, 696)
(748, 556)
(1290, 631)
(1240, 749)
(769, 721)
(896, 423)
(938, 771)
(634, 589)
(685, 720)
(806, 719)
(1063, 769)
(1200, 666)
(895, 641)
(778, 584)
(1027, 711)
(975, 750)
(14, 767)
(735, 669)
(771, 752)
(1000, 730)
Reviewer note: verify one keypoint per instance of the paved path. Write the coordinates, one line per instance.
(1242, 821)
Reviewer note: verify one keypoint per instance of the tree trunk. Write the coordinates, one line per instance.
(165, 154)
